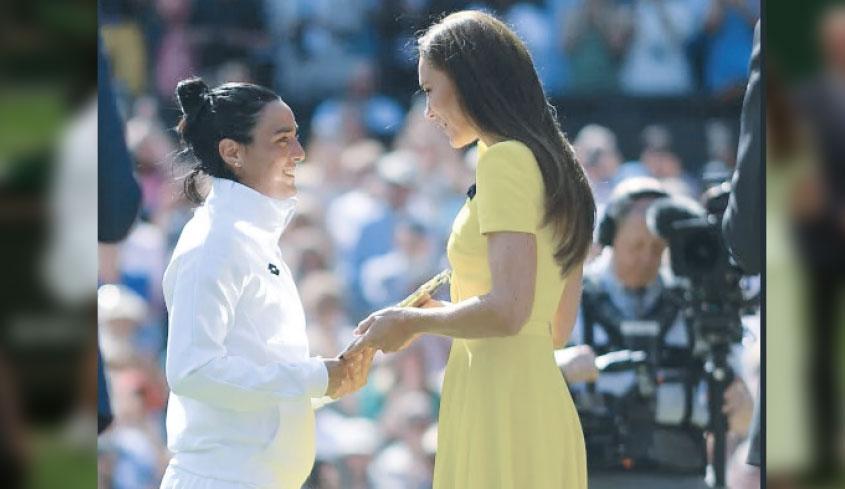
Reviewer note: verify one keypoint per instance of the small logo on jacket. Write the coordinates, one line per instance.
(273, 269)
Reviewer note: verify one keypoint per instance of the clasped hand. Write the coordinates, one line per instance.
(349, 373)
(391, 329)
(388, 330)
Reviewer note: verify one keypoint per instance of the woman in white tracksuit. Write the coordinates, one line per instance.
(238, 365)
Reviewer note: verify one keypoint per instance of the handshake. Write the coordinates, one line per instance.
(349, 373)
(388, 330)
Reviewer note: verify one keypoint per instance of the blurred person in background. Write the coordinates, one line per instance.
(345, 450)
(594, 37)
(389, 278)
(404, 462)
(398, 174)
(627, 289)
(240, 412)
(227, 30)
(355, 202)
(721, 153)
(309, 251)
(136, 457)
(596, 149)
(325, 40)
(655, 60)
(446, 171)
(150, 144)
(728, 34)
(535, 26)
(663, 163)
(172, 46)
(121, 313)
(359, 442)
(506, 417)
(379, 115)
(329, 327)
(822, 240)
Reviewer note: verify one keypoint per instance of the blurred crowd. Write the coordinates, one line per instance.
(353, 61)
(380, 185)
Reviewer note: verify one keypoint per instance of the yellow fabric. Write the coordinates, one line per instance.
(127, 54)
(507, 419)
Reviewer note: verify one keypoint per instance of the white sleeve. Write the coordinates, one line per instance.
(202, 310)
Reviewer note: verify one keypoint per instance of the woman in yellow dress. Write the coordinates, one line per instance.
(516, 251)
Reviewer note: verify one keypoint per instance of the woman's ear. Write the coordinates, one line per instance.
(231, 152)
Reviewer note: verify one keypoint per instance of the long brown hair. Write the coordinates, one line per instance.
(500, 91)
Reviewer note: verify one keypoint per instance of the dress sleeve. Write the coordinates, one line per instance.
(509, 189)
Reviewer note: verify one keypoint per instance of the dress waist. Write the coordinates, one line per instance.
(536, 328)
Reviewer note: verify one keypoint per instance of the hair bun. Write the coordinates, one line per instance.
(192, 94)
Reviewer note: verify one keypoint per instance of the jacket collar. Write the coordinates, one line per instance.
(246, 204)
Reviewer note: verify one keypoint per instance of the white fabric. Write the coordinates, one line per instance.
(69, 266)
(179, 478)
(237, 354)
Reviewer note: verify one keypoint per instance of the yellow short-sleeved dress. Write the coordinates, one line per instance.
(507, 419)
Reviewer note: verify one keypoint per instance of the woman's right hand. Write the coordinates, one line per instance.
(349, 374)
(339, 378)
(579, 364)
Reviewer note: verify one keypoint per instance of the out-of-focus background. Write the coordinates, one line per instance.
(47, 330)
(805, 222)
(643, 87)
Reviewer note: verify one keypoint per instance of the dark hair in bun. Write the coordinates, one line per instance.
(210, 115)
(192, 95)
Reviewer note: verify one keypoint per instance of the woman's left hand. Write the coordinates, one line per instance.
(388, 330)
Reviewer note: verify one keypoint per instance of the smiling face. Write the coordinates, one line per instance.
(268, 163)
(443, 107)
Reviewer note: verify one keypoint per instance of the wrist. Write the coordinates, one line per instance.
(421, 322)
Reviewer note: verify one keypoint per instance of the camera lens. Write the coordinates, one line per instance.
(701, 251)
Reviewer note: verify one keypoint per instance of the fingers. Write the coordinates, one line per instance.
(363, 369)
(364, 325)
(338, 378)
(357, 367)
(355, 348)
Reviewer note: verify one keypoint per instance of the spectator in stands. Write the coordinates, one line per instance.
(227, 30)
(656, 62)
(397, 171)
(596, 149)
(379, 115)
(662, 163)
(138, 457)
(534, 24)
(729, 31)
(594, 37)
(387, 279)
(404, 462)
